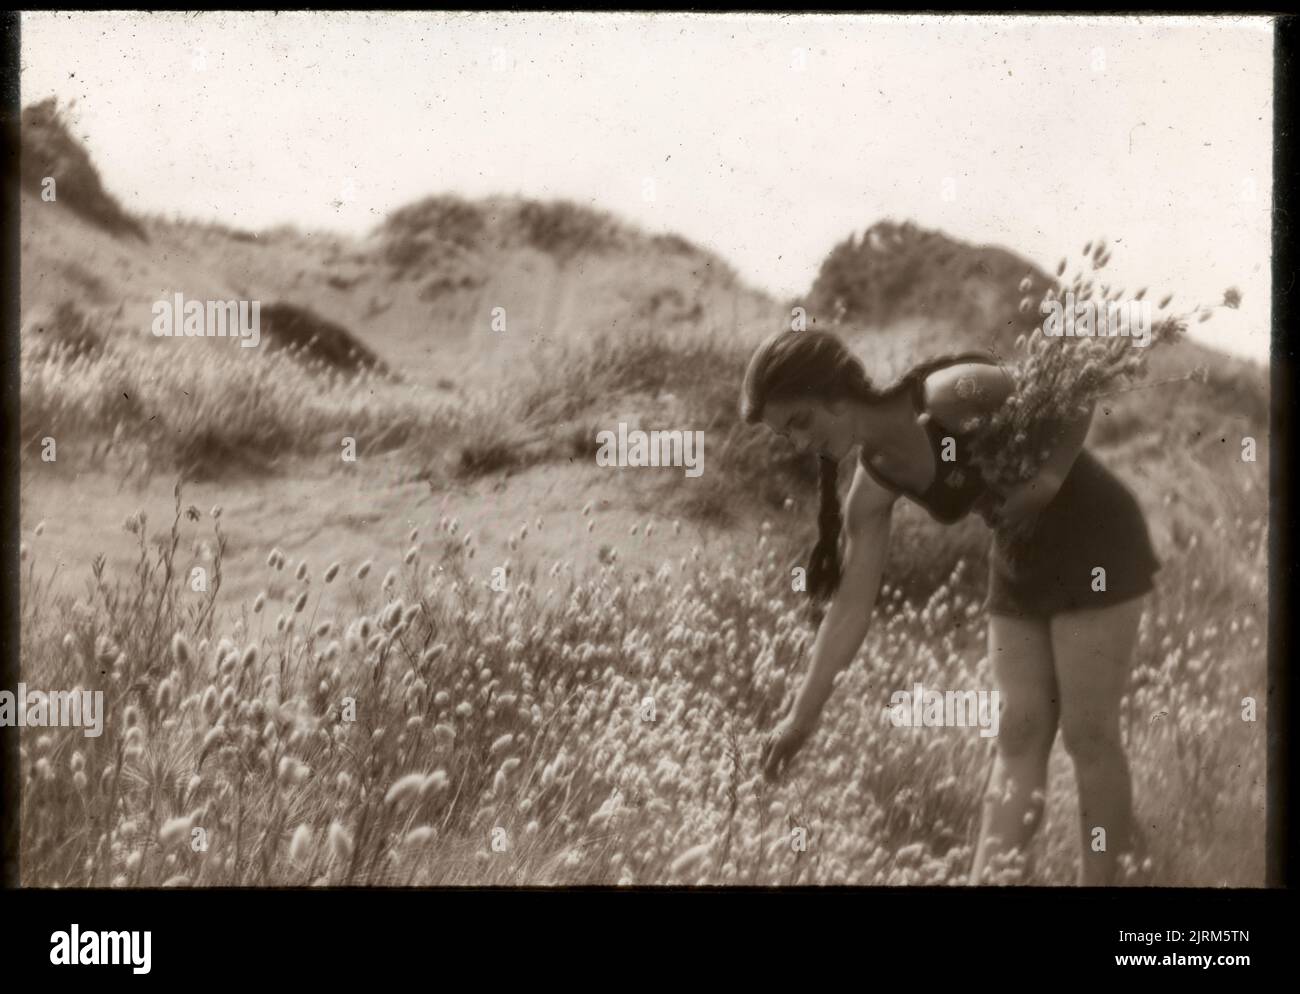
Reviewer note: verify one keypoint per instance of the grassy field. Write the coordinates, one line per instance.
(503, 736)
(471, 655)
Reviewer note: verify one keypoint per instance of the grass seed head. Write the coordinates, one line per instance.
(340, 842)
(301, 845)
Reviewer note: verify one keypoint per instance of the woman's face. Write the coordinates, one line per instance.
(813, 426)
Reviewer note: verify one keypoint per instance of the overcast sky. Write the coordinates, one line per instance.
(766, 139)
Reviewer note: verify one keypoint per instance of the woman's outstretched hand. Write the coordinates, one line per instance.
(782, 743)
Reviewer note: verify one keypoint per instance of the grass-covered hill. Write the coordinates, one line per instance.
(390, 340)
(51, 152)
(485, 709)
(895, 271)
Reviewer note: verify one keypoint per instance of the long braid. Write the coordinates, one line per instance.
(824, 559)
(816, 364)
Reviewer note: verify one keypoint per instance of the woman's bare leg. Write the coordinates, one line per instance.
(1020, 653)
(1093, 651)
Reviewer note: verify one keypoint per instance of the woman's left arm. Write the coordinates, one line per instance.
(961, 391)
(1031, 496)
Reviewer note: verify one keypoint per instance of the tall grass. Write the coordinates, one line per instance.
(212, 409)
(438, 730)
(442, 731)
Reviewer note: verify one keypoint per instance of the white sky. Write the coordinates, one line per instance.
(1155, 132)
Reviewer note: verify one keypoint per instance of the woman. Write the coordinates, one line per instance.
(1070, 561)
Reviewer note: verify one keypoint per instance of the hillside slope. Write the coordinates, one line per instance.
(622, 580)
(532, 322)
(443, 289)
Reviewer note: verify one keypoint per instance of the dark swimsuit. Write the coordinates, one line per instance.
(1093, 521)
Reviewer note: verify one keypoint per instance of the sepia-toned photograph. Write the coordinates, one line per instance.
(710, 450)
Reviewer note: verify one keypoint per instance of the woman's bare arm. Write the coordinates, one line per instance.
(965, 390)
(847, 619)
(974, 389)
(1065, 449)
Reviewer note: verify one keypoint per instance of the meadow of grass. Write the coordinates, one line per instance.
(430, 728)
(137, 406)
(442, 731)
(399, 718)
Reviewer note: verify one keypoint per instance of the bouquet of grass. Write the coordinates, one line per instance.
(1059, 373)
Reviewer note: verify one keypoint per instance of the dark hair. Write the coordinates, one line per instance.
(810, 365)
(816, 365)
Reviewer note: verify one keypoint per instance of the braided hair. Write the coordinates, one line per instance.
(817, 365)
(810, 365)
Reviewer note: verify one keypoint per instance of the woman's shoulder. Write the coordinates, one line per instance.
(958, 388)
(944, 364)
